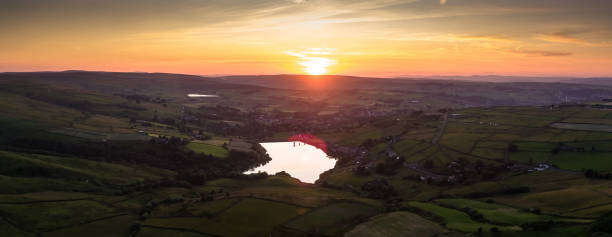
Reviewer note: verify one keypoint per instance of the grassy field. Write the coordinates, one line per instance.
(496, 213)
(287, 190)
(72, 168)
(269, 214)
(332, 219)
(457, 220)
(601, 161)
(161, 232)
(209, 209)
(115, 226)
(208, 149)
(551, 201)
(239, 145)
(100, 136)
(583, 127)
(396, 224)
(50, 215)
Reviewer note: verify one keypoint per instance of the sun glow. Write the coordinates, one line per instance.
(316, 65)
(311, 61)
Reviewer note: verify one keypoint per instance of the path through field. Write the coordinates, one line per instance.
(441, 130)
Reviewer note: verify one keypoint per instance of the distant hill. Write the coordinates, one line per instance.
(478, 92)
(118, 82)
(607, 81)
(496, 78)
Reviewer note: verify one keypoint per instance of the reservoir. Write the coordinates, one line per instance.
(300, 160)
(201, 96)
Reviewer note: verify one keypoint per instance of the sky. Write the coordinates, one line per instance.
(382, 38)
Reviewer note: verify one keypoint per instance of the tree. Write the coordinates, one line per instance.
(603, 224)
(513, 148)
(555, 150)
(381, 168)
(429, 164)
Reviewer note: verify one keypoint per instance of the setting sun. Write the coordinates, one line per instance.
(312, 62)
(316, 65)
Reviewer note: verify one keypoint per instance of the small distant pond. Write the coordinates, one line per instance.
(201, 96)
(300, 160)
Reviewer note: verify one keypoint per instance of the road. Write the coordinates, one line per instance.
(441, 130)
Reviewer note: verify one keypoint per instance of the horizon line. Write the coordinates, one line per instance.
(435, 76)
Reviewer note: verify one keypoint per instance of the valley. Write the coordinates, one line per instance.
(132, 154)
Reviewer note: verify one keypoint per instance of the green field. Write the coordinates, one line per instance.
(208, 149)
(332, 218)
(496, 213)
(269, 214)
(50, 215)
(458, 220)
(396, 224)
(161, 232)
(71, 168)
(601, 161)
(551, 201)
(583, 127)
(115, 226)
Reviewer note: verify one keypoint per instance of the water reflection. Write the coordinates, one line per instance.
(200, 95)
(300, 160)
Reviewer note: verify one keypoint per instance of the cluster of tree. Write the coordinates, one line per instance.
(378, 189)
(513, 148)
(369, 143)
(593, 174)
(253, 176)
(478, 170)
(389, 166)
(602, 225)
(361, 170)
(393, 204)
(563, 147)
(504, 191)
(538, 225)
(163, 152)
(474, 215)
(195, 177)
(142, 98)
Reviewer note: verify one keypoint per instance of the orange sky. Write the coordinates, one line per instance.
(368, 38)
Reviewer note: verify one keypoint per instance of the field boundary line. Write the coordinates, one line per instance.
(10, 222)
(588, 207)
(227, 208)
(85, 222)
(128, 198)
(44, 201)
(180, 229)
(350, 222)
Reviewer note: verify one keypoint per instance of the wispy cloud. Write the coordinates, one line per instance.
(499, 38)
(537, 52)
(446, 37)
(569, 37)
